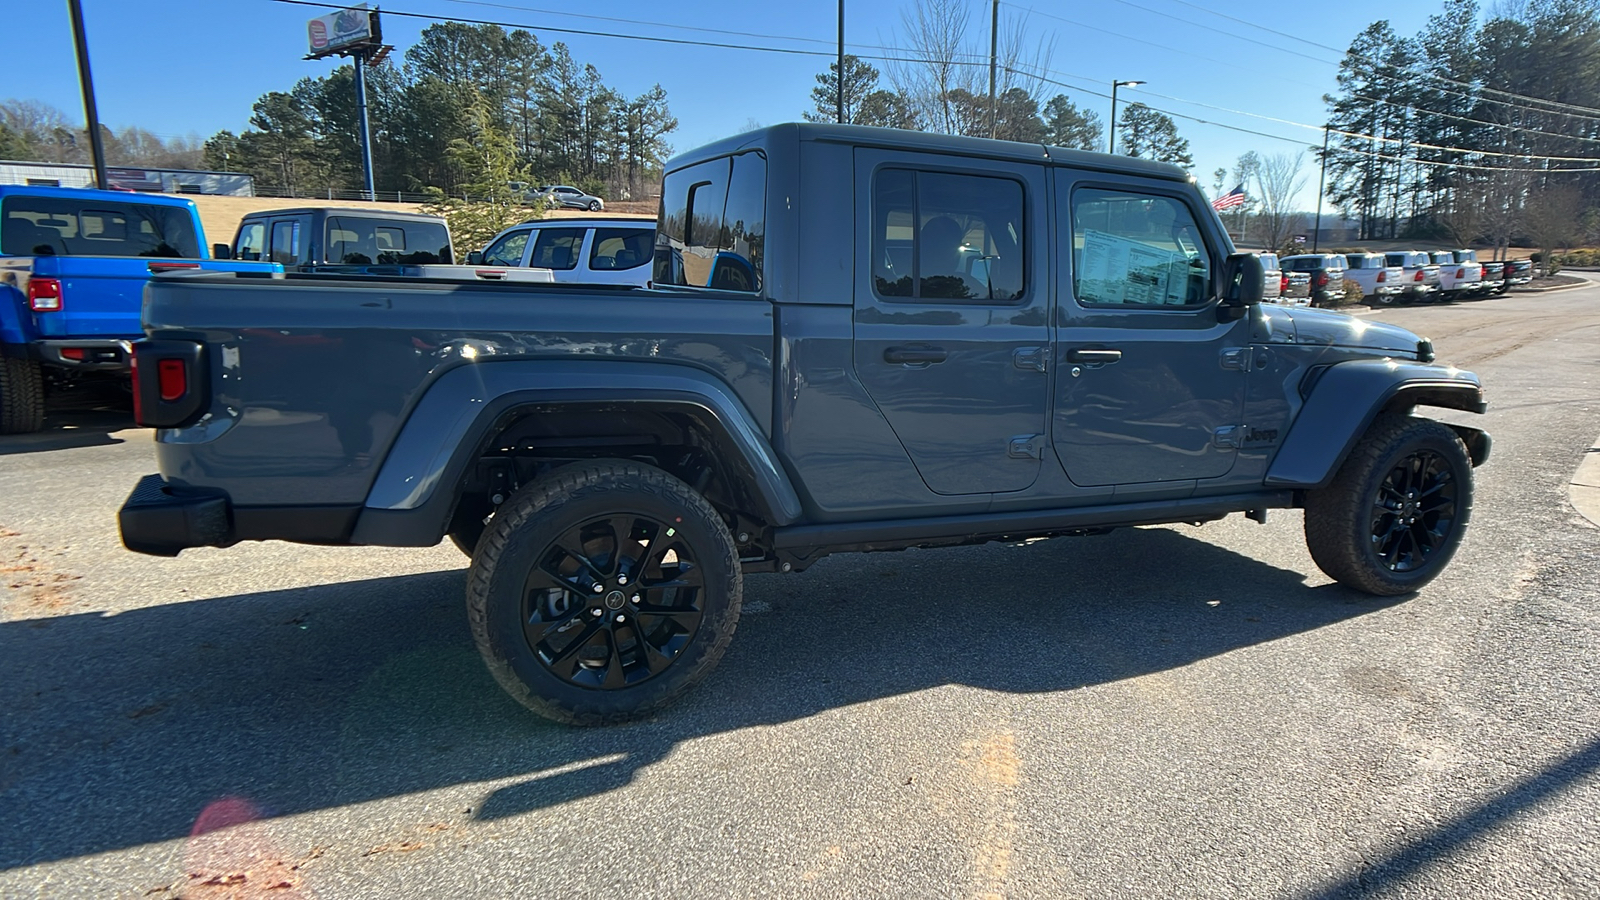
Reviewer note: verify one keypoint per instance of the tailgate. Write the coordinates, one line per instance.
(100, 296)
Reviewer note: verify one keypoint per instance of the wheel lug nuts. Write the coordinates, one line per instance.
(622, 579)
(634, 599)
(599, 587)
(595, 611)
(621, 617)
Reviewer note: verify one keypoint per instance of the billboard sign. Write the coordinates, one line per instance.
(334, 32)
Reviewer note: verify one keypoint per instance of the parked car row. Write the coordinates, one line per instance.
(1398, 276)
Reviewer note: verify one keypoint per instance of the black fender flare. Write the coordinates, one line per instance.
(1345, 398)
(411, 500)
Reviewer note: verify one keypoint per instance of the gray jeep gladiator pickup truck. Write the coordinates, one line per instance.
(856, 339)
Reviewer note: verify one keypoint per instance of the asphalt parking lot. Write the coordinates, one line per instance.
(1159, 712)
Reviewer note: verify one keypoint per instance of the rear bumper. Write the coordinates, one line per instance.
(157, 520)
(88, 354)
(162, 519)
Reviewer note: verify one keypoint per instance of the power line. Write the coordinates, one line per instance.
(1346, 53)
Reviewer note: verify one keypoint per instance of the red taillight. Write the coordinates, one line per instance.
(172, 378)
(1284, 284)
(1322, 279)
(1419, 276)
(72, 353)
(44, 294)
(1383, 275)
(1461, 273)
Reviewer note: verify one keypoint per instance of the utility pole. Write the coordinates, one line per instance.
(90, 113)
(994, 43)
(1322, 180)
(359, 58)
(839, 81)
(1111, 146)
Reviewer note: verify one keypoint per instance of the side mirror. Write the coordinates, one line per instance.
(475, 257)
(1244, 280)
(221, 251)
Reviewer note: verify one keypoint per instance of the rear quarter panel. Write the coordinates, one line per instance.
(311, 382)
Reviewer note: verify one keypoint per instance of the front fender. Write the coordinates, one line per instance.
(1346, 398)
(443, 434)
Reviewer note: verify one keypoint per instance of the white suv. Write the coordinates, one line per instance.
(577, 251)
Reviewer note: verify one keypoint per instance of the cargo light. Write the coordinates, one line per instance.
(44, 294)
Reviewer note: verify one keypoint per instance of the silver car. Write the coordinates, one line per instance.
(586, 250)
(565, 196)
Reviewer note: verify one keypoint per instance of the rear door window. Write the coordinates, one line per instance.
(944, 237)
(288, 242)
(621, 248)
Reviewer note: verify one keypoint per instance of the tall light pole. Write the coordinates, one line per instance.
(90, 113)
(839, 85)
(1112, 146)
(994, 38)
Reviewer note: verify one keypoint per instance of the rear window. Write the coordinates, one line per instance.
(621, 248)
(52, 226)
(1269, 260)
(712, 227)
(355, 240)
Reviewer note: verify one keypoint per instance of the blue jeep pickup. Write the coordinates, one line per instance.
(73, 265)
(856, 339)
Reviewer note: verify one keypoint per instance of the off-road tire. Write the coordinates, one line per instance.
(1341, 520)
(528, 524)
(21, 396)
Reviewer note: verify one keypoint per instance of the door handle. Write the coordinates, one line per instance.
(914, 356)
(1094, 357)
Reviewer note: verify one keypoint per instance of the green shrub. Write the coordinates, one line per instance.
(1350, 294)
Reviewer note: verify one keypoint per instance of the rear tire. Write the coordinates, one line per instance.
(669, 598)
(1395, 513)
(21, 396)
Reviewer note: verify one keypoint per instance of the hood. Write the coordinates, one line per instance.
(1332, 329)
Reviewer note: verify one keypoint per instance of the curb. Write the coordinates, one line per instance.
(1555, 290)
(1584, 491)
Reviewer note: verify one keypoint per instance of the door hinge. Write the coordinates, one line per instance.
(1229, 437)
(1026, 446)
(1034, 359)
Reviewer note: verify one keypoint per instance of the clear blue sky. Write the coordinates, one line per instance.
(177, 67)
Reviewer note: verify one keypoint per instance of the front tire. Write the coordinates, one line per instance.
(21, 396)
(594, 206)
(603, 592)
(1394, 514)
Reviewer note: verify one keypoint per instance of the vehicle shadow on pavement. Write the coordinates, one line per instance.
(118, 730)
(81, 417)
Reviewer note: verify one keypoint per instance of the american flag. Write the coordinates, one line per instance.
(1229, 200)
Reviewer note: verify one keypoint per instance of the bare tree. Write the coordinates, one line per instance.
(1462, 215)
(945, 85)
(1278, 181)
(1552, 216)
(935, 36)
(1499, 197)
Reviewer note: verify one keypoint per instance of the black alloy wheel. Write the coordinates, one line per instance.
(613, 601)
(1397, 509)
(1414, 513)
(603, 591)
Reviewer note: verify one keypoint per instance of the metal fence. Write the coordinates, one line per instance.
(330, 194)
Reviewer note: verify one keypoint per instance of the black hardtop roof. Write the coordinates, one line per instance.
(924, 142)
(360, 211)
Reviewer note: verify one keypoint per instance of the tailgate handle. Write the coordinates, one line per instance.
(915, 356)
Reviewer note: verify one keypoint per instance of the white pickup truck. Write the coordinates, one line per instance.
(1457, 280)
(1418, 273)
(1380, 282)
